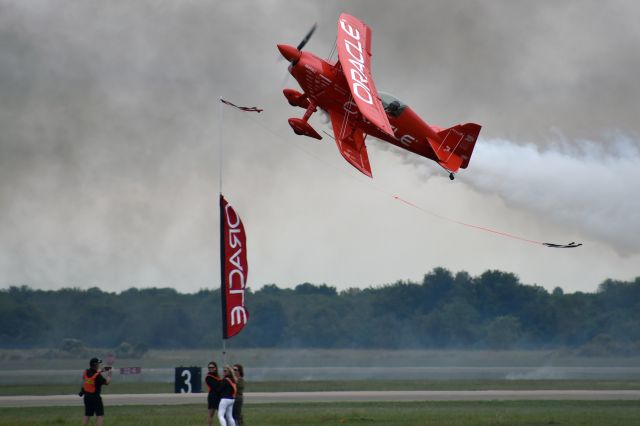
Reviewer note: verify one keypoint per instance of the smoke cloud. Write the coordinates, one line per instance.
(110, 135)
(585, 185)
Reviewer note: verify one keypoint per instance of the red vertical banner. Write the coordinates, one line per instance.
(234, 270)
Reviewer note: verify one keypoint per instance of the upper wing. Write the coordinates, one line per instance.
(350, 141)
(354, 53)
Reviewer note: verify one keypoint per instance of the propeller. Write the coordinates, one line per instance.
(306, 38)
(291, 53)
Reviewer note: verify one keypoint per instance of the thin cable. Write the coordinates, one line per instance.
(333, 50)
(481, 228)
(373, 187)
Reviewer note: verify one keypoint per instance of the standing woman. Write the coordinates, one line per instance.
(227, 397)
(237, 406)
(213, 382)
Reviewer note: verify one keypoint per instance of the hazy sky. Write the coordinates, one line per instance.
(110, 129)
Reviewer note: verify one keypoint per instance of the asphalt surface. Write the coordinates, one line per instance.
(157, 375)
(361, 396)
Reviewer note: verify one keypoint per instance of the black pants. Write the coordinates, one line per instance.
(237, 411)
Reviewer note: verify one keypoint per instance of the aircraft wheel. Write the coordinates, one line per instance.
(451, 177)
(297, 132)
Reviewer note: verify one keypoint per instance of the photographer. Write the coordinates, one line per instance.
(92, 381)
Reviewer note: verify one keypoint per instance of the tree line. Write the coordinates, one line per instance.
(445, 310)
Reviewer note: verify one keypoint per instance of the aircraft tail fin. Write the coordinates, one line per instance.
(456, 145)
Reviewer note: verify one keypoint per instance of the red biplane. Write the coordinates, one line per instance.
(345, 90)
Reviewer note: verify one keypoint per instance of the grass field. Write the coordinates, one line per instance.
(459, 413)
(489, 413)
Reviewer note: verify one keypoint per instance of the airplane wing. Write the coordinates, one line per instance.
(354, 53)
(350, 141)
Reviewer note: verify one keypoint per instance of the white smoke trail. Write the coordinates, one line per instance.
(586, 185)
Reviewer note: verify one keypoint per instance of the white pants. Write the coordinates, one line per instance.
(225, 409)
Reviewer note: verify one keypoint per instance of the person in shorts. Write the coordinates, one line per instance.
(92, 381)
(213, 382)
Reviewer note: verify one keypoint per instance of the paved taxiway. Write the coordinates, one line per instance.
(278, 397)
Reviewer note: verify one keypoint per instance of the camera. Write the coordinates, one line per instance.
(107, 368)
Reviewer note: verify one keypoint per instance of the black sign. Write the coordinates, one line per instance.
(188, 380)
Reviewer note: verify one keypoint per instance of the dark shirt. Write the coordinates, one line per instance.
(239, 387)
(99, 380)
(227, 390)
(213, 383)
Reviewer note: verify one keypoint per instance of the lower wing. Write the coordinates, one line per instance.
(350, 141)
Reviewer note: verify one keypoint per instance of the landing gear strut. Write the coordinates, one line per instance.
(300, 125)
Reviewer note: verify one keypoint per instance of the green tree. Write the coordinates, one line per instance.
(503, 332)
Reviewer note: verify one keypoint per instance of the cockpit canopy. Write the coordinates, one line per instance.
(392, 105)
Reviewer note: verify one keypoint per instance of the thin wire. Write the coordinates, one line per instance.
(333, 50)
(481, 228)
(373, 187)
(345, 120)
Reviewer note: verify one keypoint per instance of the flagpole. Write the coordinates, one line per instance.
(220, 118)
(222, 254)
(223, 302)
(224, 352)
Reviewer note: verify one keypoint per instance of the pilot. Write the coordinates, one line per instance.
(393, 108)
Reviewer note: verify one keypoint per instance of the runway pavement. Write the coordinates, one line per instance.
(361, 396)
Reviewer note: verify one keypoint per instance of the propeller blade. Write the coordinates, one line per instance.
(307, 37)
(293, 56)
